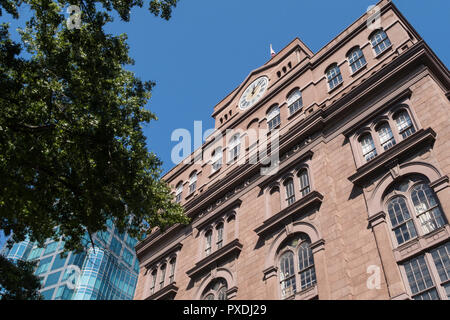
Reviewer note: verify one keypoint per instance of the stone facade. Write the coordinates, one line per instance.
(246, 227)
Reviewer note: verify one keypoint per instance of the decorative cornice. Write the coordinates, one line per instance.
(231, 249)
(399, 152)
(162, 254)
(208, 218)
(168, 292)
(157, 237)
(313, 199)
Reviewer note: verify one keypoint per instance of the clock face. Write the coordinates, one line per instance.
(253, 93)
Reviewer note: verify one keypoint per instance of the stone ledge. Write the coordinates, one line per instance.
(232, 248)
(168, 292)
(313, 198)
(421, 138)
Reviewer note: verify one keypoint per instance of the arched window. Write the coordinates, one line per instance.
(304, 182)
(172, 270)
(405, 126)
(386, 137)
(301, 275)
(287, 275)
(414, 209)
(356, 59)
(380, 41)
(179, 192)
(401, 220)
(208, 240)
(290, 191)
(273, 117)
(234, 147)
(217, 159)
(414, 212)
(426, 208)
(163, 276)
(216, 290)
(192, 182)
(334, 76)
(153, 281)
(368, 147)
(219, 230)
(295, 101)
(306, 265)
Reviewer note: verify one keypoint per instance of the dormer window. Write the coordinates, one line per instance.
(295, 101)
(273, 117)
(334, 76)
(380, 42)
(192, 182)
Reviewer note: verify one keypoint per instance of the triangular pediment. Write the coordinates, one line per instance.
(274, 69)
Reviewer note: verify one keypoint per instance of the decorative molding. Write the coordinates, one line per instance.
(311, 200)
(376, 219)
(270, 272)
(163, 254)
(166, 293)
(231, 249)
(317, 246)
(206, 218)
(403, 149)
(440, 184)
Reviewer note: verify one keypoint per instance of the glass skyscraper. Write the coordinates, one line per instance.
(107, 271)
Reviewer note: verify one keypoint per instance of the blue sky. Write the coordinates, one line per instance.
(209, 47)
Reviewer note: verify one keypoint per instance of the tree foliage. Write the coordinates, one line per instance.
(72, 150)
(17, 280)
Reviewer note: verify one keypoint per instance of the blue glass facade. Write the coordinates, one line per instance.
(109, 271)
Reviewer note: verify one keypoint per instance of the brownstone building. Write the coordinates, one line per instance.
(359, 203)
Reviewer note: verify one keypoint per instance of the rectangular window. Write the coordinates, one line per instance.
(274, 122)
(294, 107)
(50, 248)
(441, 258)
(52, 279)
(419, 279)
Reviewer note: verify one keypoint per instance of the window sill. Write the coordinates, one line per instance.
(232, 248)
(412, 247)
(296, 113)
(212, 174)
(166, 293)
(310, 201)
(306, 294)
(403, 149)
